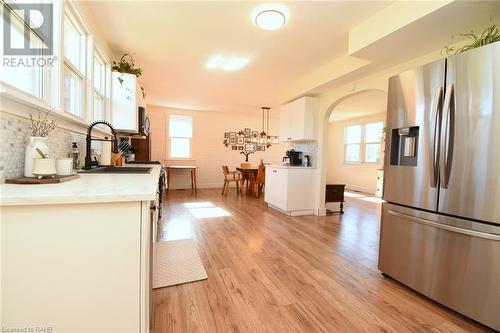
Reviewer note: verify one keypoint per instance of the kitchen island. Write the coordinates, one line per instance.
(76, 256)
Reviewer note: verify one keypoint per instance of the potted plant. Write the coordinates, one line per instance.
(488, 36)
(40, 127)
(126, 65)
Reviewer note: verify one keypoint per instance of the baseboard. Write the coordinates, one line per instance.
(293, 212)
(360, 189)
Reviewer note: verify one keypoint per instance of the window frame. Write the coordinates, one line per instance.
(359, 144)
(366, 142)
(104, 93)
(41, 87)
(170, 157)
(363, 143)
(71, 12)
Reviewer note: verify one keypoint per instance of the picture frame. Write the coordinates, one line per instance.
(262, 148)
(232, 135)
(248, 132)
(248, 140)
(232, 140)
(240, 140)
(259, 148)
(240, 147)
(234, 147)
(255, 134)
(226, 135)
(249, 147)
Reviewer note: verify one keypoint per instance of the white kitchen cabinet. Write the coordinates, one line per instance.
(126, 97)
(290, 189)
(297, 119)
(77, 267)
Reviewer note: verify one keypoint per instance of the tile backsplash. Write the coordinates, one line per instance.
(308, 148)
(15, 133)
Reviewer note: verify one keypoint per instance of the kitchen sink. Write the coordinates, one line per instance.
(120, 170)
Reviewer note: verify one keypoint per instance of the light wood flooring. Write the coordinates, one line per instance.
(268, 272)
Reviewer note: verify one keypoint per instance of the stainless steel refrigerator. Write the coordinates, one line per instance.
(440, 228)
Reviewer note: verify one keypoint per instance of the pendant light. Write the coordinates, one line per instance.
(265, 138)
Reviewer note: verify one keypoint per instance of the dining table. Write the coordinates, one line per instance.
(191, 168)
(249, 174)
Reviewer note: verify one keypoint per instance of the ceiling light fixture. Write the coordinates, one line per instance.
(270, 16)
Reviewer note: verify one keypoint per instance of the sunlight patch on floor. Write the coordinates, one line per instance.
(353, 195)
(364, 197)
(178, 229)
(202, 210)
(372, 199)
(203, 204)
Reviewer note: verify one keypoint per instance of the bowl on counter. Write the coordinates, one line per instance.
(44, 167)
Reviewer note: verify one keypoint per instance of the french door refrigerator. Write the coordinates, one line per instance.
(440, 227)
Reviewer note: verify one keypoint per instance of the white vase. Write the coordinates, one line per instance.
(30, 153)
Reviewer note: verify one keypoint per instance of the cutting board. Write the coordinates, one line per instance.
(54, 180)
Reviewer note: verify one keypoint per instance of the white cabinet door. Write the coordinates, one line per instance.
(297, 119)
(300, 189)
(276, 188)
(124, 111)
(285, 125)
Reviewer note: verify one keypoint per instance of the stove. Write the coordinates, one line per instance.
(161, 185)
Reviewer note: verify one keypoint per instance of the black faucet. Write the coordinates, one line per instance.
(88, 158)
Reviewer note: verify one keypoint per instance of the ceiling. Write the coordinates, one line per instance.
(172, 41)
(362, 104)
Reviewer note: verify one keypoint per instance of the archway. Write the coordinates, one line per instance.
(360, 110)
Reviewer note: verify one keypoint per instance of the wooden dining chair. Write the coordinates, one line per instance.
(245, 179)
(261, 179)
(230, 176)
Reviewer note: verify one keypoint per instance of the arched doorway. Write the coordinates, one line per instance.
(352, 148)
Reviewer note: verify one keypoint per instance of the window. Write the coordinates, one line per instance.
(26, 78)
(74, 66)
(180, 132)
(373, 139)
(99, 86)
(363, 143)
(352, 143)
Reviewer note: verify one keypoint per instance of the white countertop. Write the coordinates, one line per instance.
(280, 166)
(89, 188)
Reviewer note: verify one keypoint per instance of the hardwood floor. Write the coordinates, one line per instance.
(268, 272)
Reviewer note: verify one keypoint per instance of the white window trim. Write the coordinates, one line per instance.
(44, 83)
(362, 144)
(52, 97)
(170, 157)
(72, 12)
(169, 152)
(107, 82)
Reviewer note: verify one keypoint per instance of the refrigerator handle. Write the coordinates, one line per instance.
(451, 228)
(448, 137)
(435, 143)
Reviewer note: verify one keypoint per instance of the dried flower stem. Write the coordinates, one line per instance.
(42, 126)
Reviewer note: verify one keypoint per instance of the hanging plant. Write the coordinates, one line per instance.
(490, 35)
(126, 65)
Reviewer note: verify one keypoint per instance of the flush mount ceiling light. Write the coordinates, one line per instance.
(227, 63)
(270, 16)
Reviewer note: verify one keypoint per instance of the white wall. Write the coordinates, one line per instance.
(208, 151)
(360, 176)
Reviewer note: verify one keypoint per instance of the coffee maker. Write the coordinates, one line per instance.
(293, 157)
